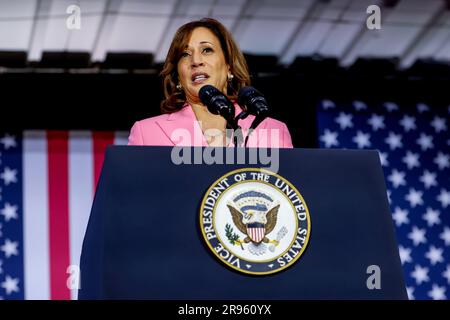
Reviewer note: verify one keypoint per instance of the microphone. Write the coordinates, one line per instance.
(218, 103)
(256, 105)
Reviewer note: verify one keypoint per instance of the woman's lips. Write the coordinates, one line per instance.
(199, 77)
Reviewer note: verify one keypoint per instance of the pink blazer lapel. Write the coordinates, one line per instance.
(184, 123)
(182, 128)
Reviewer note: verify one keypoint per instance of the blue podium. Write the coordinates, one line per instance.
(145, 239)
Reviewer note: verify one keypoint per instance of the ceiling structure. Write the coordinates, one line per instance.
(410, 29)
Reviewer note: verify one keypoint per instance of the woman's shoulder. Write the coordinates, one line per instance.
(267, 123)
(181, 114)
(271, 123)
(145, 132)
(275, 122)
(150, 121)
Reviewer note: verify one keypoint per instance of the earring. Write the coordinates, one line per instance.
(230, 77)
(179, 87)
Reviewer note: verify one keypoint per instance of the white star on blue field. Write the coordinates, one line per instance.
(414, 154)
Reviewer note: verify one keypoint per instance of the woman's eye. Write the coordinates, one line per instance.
(185, 54)
(207, 50)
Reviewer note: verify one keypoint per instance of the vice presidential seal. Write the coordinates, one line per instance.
(255, 221)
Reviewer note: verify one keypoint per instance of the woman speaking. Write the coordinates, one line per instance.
(203, 53)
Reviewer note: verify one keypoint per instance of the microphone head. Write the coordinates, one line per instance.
(206, 95)
(254, 101)
(216, 101)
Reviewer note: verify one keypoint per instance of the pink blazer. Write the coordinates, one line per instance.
(182, 129)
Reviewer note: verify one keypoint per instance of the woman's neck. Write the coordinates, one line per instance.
(199, 108)
(213, 126)
(202, 114)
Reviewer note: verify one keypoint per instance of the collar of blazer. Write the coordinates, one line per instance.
(186, 119)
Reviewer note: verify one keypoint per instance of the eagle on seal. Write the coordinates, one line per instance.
(255, 224)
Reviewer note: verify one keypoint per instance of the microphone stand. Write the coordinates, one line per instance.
(238, 134)
(255, 123)
(236, 131)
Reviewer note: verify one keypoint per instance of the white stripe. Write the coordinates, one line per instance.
(81, 186)
(35, 216)
(121, 138)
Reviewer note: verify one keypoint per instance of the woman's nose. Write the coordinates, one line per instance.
(197, 59)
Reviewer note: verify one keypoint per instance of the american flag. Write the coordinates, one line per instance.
(47, 183)
(413, 146)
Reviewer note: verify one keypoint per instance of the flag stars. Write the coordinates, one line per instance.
(417, 236)
(431, 217)
(362, 140)
(9, 212)
(8, 141)
(439, 124)
(359, 105)
(445, 236)
(10, 248)
(411, 160)
(328, 104)
(428, 179)
(344, 120)
(388, 193)
(413, 151)
(434, 255)
(408, 123)
(414, 197)
(394, 141)
(10, 285)
(446, 274)
(442, 160)
(376, 122)
(420, 274)
(410, 291)
(9, 176)
(383, 158)
(437, 292)
(390, 106)
(397, 178)
(400, 216)
(422, 107)
(425, 142)
(329, 138)
(405, 254)
(444, 198)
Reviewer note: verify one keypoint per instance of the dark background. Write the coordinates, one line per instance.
(112, 97)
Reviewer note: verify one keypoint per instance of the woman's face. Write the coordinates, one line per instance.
(201, 63)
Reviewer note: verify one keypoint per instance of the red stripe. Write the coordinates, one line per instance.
(58, 200)
(256, 234)
(101, 141)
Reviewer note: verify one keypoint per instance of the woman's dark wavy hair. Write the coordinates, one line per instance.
(174, 98)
